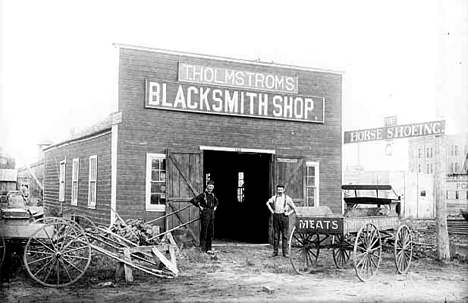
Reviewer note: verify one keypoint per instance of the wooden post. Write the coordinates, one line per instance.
(443, 248)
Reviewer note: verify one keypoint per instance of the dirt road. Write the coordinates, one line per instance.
(246, 274)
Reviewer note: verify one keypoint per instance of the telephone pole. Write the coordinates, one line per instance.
(443, 240)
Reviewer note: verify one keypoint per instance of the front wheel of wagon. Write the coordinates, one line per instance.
(341, 250)
(367, 252)
(303, 251)
(57, 254)
(403, 248)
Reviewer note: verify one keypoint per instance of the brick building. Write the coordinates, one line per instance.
(185, 118)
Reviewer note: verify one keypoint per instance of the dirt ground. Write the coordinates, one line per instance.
(245, 273)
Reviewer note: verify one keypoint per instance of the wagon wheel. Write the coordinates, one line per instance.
(403, 248)
(2, 250)
(57, 254)
(367, 252)
(304, 249)
(341, 250)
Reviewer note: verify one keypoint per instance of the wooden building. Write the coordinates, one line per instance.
(185, 118)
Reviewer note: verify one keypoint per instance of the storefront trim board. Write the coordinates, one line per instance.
(239, 150)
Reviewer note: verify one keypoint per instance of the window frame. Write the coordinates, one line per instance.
(92, 204)
(316, 186)
(148, 205)
(75, 176)
(62, 170)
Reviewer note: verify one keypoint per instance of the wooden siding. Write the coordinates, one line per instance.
(153, 131)
(100, 146)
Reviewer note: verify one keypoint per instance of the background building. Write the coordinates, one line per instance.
(423, 160)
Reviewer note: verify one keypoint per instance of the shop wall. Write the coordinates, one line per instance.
(145, 130)
(100, 146)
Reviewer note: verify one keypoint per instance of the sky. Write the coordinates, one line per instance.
(57, 65)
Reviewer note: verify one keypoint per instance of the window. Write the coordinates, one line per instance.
(428, 169)
(456, 195)
(457, 168)
(312, 184)
(155, 182)
(423, 193)
(419, 168)
(240, 187)
(92, 181)
(62, 181)
(420, 153)
(456, 150)
(75, 172)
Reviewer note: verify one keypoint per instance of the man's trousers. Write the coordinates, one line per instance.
(207, 229)
(280, 228)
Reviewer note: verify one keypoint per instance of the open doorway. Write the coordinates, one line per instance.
(242, 187)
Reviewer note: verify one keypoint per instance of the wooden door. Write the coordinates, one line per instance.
(288, 171)
(184, 181)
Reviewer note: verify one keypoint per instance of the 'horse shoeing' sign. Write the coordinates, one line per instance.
(395, 132)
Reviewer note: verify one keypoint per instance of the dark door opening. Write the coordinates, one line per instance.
(242, 187)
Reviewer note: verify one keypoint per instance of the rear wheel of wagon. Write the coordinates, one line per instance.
(367, 252)
(342, 248)
(403, 248)
(304, 249)
(57, 253)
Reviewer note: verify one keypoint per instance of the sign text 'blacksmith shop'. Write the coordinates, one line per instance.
(237, 102)
(395, 132)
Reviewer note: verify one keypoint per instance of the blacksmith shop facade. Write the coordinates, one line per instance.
(186, 118)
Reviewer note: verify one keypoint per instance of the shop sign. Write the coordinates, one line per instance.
(395, 132)
(320, 225)
(227, 101)
(218, 76)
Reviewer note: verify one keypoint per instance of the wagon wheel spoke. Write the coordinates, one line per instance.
(48, 263)
(50, 270)
(65, 269)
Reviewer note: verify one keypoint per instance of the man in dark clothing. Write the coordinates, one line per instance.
(207, 203)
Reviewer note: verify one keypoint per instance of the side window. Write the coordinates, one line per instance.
(312, 184)
(75, 173)
(62, 181)
(92, 181)
(155, 182)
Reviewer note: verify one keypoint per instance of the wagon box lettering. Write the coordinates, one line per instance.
(320, 225)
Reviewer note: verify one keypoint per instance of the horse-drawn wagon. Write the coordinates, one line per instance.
(370, 224)
(57, 250)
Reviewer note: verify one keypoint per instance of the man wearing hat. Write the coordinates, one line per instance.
(207, 203)
(281, 206)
